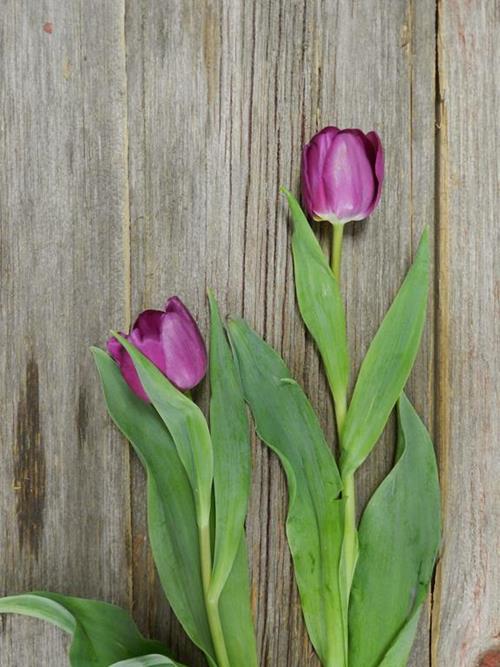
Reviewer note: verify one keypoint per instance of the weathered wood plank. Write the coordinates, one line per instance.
(222, 96)
(63, 207)
(467, 604)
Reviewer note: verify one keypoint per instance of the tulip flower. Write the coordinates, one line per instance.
(342, 174)
(169, 338)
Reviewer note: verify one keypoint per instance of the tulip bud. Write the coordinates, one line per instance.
(342, 174)
(170, 339)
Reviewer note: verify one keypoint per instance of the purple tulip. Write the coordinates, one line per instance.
(169, 338)
(342, 174)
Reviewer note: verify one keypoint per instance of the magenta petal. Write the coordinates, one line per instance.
(146, 335)
(183, 345)
(374, 140)
(314, 156)
(124, 361)
(349, 177)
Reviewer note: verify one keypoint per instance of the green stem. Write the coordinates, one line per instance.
(336, 260)
(211, 603)
(350, 541)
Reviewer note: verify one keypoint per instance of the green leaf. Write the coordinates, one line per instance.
(102, 633)
(398, 543)
(231, 444)
(286, 422)
(147, 661)
(387, 364)
(186, 424)
(172, 523)
(236, 614)
(320, 301)
(232, 461)
(399, 652)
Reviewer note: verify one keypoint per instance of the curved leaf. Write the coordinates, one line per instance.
(387, 364)
(147, 661)
(320, 301)
(286, 422)
(399, 538)
(232, 461)
(231, 444)
(236, 613)
(186, 424)
(171, 509)
(102, 633)
(399, 652)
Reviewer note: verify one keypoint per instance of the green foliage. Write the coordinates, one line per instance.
(172, 522)
(399, 539)
(173, 442)
(286, 422)
(186, 424)
(102, 633)
(146, 661)
(387, 364)
(232, 462)
(320, 302)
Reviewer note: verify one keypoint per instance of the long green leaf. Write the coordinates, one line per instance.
(399, 651)
(186, 424)
(320, 301)
(171, 509)
(231, 443)
(232, 460)
(398, 543)
(147, 661)
(286, 422)
(236, 613)
(387, 364)
(102, 633)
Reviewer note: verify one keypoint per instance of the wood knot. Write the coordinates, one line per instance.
(490, 658)
(29, 463)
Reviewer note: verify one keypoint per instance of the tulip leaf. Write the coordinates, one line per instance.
(236, 614)
(399, 538)
(102, 633)
(286, 422)
(387, 364)
(186, 424)
(232, 461)
(320, 301)
(172, 522)
(231, 444)
(147, 661)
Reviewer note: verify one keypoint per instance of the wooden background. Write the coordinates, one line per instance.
(142, 144)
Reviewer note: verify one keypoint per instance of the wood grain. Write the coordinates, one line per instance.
(63, 183)
(143, 144)
(467, 602)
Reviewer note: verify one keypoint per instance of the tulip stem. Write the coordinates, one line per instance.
(211, 602)
(350, 541)
(336, 260)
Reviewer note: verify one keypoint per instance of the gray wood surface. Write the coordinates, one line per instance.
(142, 147)
(467, 599)
(64, 489)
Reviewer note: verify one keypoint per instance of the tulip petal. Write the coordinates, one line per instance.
(314, 156)
(146, 335)
(348, 177)
(374, 140)
(184, 350)
(122, 358)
